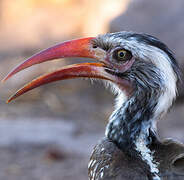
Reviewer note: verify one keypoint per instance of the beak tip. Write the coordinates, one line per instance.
(3, 80)
(8, 101)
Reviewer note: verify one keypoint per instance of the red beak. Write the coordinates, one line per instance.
(74, 48)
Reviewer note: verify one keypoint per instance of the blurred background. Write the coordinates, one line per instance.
(49, 133)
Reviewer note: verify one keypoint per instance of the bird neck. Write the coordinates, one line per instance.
(131, 127)
(133, 120)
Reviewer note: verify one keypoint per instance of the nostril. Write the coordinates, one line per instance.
(95, 46)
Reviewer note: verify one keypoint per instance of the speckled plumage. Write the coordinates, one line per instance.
(111, 163)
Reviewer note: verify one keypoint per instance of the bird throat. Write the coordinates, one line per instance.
(133, 119)
(130, 127)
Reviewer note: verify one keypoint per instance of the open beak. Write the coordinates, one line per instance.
(73, 48)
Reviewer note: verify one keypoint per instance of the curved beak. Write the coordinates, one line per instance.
(73, 48)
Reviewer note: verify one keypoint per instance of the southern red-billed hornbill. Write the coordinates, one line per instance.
(144, 74)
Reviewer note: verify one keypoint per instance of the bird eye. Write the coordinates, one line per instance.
(122, 55)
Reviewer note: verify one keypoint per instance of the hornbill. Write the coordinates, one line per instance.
(144, 74)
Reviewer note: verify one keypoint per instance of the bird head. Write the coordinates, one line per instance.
(138, 65)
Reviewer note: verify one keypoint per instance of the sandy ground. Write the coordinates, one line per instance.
(44, 150)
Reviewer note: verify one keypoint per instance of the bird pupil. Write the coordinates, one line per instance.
(121, 54)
